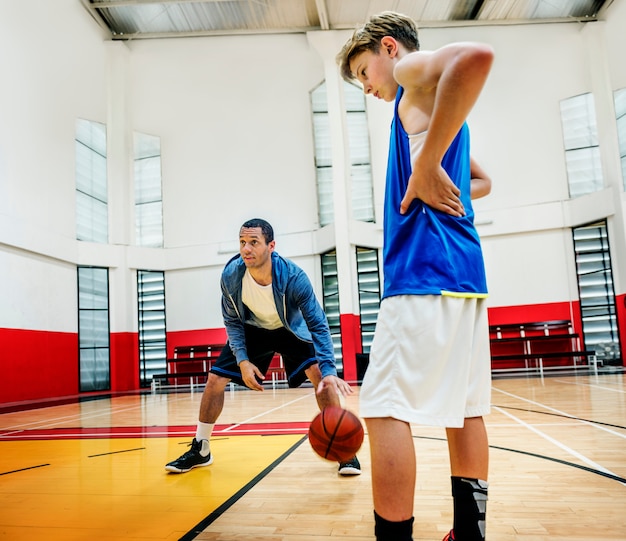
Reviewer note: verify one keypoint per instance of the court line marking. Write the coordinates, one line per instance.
(67, 418)
(82, 416)
(117, 452)
(139, 432)
(595, 386)
(563, 413)
(560, 445)
(213, 516)
(250, 419)
(24, 469)
(112, 410)
(564, 416)
(621, 480)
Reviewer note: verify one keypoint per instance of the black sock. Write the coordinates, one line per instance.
(386, 530)
(470, 508)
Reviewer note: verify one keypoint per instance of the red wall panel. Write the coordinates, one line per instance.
(37, 364)
(350, 344)
(526, 313)
(124, 350)
(195, 337)
(620, 303)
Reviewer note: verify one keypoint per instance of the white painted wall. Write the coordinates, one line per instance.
(52, 69)
(234, 120)
(616, 43)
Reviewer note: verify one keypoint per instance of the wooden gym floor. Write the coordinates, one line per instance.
(94, 469)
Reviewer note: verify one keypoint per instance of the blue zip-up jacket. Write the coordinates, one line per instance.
(298, 309)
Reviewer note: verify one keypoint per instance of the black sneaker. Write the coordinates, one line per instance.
(351, 467)
(190, 459)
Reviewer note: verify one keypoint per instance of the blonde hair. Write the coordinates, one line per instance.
(367, 38)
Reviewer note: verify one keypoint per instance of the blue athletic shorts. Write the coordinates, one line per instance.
(262, 345)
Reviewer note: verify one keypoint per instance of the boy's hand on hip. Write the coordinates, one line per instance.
(435, 189)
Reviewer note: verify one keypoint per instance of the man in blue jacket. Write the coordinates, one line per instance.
(269, 307)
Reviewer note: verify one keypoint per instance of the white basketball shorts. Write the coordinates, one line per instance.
(429, 361)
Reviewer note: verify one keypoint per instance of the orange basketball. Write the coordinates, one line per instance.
(336, 434)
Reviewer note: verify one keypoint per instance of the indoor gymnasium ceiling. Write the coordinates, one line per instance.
(135, 19)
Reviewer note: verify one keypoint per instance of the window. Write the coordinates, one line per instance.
(360, 162)
(361, 185)
(91, 182)
(330, 287)
(597, 295)
(323, 155)
(93, 329)
(582, 151)
(620, 114)
(148, 198)
(151, 313)
(369, 293)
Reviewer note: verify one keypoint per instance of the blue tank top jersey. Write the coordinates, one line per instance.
(425, 251)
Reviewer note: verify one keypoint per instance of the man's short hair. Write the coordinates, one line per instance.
(266, 228)
(367, 38)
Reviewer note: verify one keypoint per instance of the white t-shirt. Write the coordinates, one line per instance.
(260, 301)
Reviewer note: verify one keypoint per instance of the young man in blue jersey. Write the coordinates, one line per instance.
(269, 307)
(429, 361)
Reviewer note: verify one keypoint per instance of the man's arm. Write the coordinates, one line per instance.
(234, 325)
(317, 323)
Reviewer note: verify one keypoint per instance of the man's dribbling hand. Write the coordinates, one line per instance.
(251, 375)
(334, 384)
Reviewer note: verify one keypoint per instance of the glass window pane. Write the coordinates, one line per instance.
(323, 149)
(93, 135)
(361, 184)
(596, 291)
(584, 171)
(92, 288)
(330, 286)
(148, 192)
(149, 217)
(148, 180)
(578, 116)
(620, 113)
(369, 293)
(94, 372)
(93, 328)
(362, 204)
(91, 182)
(319, 99)
(91, 219)
(358, 138)
(325, 196)
(90, 172)
(152, 328)
(582, 153)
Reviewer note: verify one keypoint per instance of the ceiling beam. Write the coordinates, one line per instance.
(303, 30)
(106, 4)
(93, 11)
(322, 12)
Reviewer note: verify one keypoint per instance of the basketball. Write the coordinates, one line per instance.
(336, 434)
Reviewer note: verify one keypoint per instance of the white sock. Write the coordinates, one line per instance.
(203, 434)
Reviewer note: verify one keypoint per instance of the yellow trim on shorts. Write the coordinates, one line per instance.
(464, 295)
